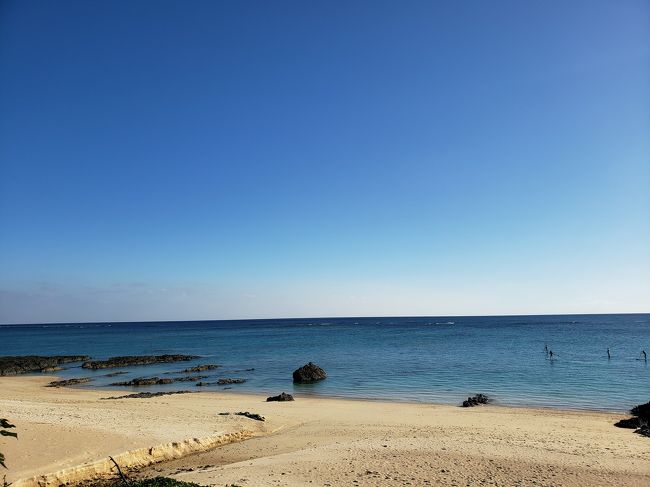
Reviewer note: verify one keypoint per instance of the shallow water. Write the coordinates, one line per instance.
(431, 359)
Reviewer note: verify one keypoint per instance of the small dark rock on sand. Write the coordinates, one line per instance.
(254, 416)
(631, 423)
(280, 398)
(69, 382)
(640, 421)
(146, 395)
(13, 365)
(128, 361)
(476, 400)
(644, 430)
(309, 373)
(226, 381)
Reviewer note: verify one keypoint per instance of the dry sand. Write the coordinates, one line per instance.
(311, 441)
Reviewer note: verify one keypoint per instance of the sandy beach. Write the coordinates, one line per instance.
(66, 435)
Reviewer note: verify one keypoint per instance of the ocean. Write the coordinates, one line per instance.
(423, 359)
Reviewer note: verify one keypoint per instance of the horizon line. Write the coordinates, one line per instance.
(323, 318)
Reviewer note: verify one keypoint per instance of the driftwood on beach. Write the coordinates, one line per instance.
(128, 361)
(13, 365)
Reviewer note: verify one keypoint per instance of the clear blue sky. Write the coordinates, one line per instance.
(198, 160)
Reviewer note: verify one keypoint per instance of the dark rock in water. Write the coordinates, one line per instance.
(280, 398)
(129, 361)
(631, 423)
(192, 378)
(146, 395)
(201, 368)
(69, 382)
(309, 373)
(13, 365)
(642, 411)
(144, 381)
(114, 374)
(202, 384)
(226, 381)
(644, 430)
(254, 416)
(476, 400)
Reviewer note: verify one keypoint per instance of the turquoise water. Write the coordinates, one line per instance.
(431, 359)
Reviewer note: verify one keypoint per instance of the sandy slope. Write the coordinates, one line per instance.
(321, 441)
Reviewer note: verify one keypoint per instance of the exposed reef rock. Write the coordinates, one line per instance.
(154, 381)
(308, 373)
(69, 382)
(200, 368)
(13, 365)
(226, 381)
(129, 361)
(147, 395)
(115, 374)
(144, 381)
(280, 398)
(476, 400)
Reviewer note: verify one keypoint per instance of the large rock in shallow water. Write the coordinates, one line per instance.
(309, 373)
(36, 363)
(476, 400)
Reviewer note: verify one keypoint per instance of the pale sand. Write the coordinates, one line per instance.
(315, 441)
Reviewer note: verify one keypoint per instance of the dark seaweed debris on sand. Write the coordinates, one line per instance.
(255, 416)
(128, 361)
(147, 395)
(13, 365)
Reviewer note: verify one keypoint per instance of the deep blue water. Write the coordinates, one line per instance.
(437, 359)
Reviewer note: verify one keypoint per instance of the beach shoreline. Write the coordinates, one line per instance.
(313, 438)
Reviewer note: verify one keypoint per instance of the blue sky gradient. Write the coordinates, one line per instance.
(207, 160)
